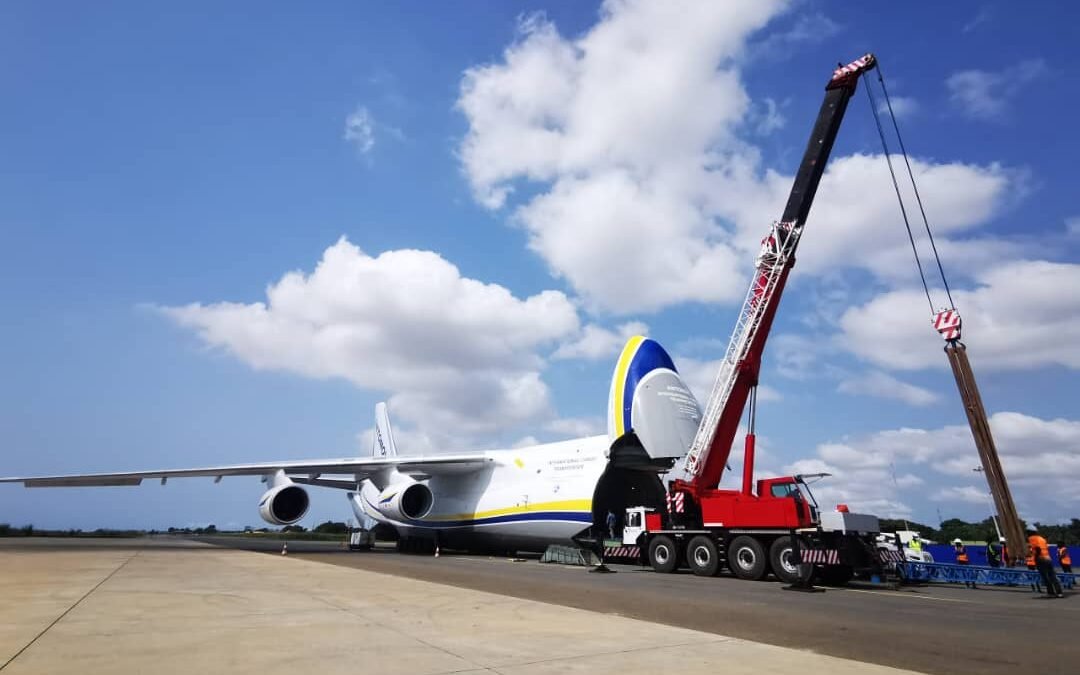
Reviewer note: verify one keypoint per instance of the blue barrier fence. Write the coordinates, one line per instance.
(948, 573)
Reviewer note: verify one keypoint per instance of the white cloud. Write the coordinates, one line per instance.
(982, 16)
(769, 118)
(458, 356)
(1041, 459)
(641, 193)
(1072, 226)
(882, 385)
(621, 126)
(962, 493)
(902, 106)
(986, 94)
(700, 376)
(1020, 315)
(525, 442)
(596, 343)
(802, 357)
(856, 222)
(576, 427)
(360, 129)
(804, 29)
(909, 480)
(410, 441)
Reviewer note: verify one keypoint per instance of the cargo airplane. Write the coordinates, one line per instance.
(518, 499)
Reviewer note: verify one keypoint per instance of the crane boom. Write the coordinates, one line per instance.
(704, 463)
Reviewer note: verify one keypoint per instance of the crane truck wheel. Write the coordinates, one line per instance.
(780, 559)
(663, 556)
(746, 558)
(702, 556)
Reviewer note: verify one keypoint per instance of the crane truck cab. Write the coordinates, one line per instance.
(784, 502)
(639, 519)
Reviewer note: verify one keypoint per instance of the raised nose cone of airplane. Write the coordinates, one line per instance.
(650, 400)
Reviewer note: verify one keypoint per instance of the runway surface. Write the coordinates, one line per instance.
(158, 605)
(935, 629)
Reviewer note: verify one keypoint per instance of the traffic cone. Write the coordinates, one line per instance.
(285, 548)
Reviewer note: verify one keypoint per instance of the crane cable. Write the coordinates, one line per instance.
(899, 197)
(914, 187)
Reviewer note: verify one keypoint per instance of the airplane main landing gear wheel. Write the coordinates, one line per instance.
(702, 556)
(662, 554)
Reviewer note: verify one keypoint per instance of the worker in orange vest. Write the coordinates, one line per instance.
(1040, 550)
(1064, 558)
(962, 558)
(1030, 562)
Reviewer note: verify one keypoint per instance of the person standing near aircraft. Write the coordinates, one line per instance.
(993, 558)
(962, 558)
(1040, 550)
(611, 524)
(1064, 558)
(1030, 563)
(916, 544)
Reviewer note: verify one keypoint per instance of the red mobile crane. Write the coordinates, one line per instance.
(753, 532)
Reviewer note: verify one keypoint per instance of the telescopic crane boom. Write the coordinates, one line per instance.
(704, 464)
(777, 528)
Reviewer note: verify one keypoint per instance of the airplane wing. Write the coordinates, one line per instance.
(306, 471)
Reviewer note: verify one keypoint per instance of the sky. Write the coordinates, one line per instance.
(226, 232)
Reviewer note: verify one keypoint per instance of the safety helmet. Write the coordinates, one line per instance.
(957, 541)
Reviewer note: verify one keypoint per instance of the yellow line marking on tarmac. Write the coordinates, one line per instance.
(894, 594)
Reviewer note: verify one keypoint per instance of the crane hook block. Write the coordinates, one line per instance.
(947, 322)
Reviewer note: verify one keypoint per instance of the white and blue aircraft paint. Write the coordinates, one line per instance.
(522, 498)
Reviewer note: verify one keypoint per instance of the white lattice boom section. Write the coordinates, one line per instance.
(777, 250)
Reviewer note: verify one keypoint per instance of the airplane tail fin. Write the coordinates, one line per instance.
(383, 444)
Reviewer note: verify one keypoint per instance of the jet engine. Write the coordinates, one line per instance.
(284, 504)
(406, 501)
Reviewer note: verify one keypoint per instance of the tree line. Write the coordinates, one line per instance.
(954, 528)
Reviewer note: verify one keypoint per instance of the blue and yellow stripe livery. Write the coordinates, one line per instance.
(574, 510)
(639, 357)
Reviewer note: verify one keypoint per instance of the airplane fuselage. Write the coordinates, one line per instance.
(526, 498)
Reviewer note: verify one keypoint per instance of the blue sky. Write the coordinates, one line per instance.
(498, 193)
